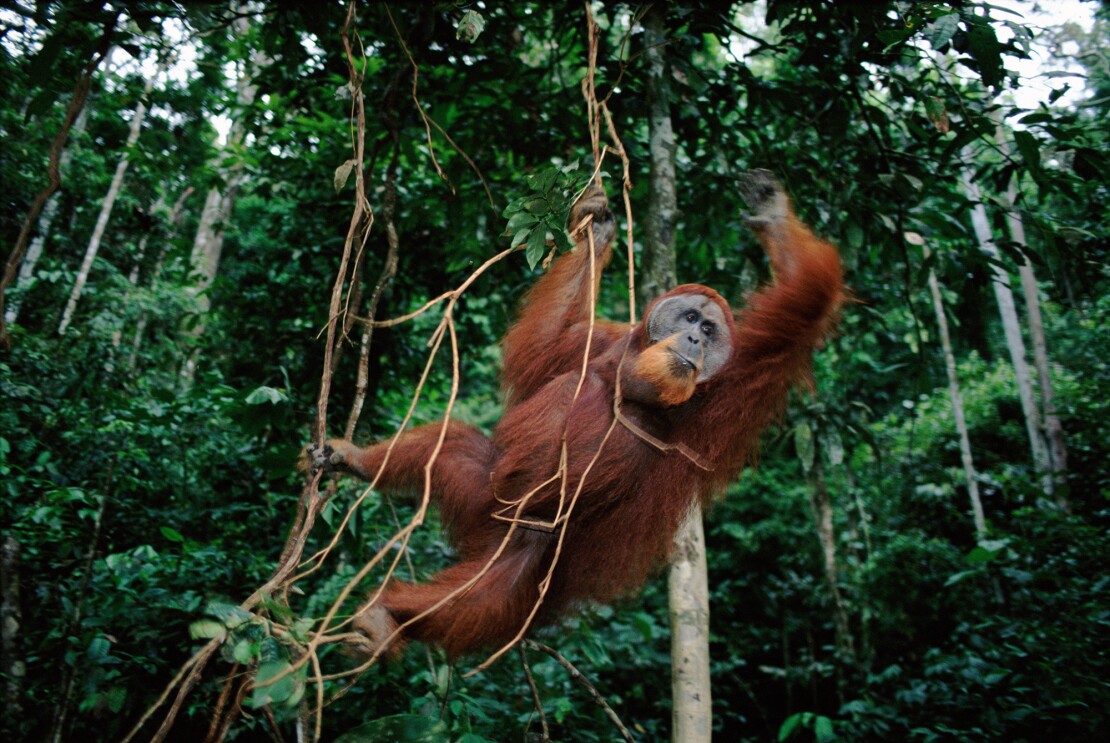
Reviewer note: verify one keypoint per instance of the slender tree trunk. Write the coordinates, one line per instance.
(11, 615)
(218, 205)
(207, 249)
(820, 505)
(688, 583)
(657, 269)
(1054, 431)
(54, 176)
(688, 592)
(106, 207)
(1005, 298)
(958, 408)
(34, 250)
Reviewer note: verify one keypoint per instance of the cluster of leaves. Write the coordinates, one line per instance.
(542, 213)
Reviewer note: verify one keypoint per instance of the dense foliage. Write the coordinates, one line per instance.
(147, 454)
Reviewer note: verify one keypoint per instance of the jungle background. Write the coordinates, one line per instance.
(870, 580)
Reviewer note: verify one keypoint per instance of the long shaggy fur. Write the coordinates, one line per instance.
(635, 495)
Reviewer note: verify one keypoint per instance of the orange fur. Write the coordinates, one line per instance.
(632, 496)
(656, 367)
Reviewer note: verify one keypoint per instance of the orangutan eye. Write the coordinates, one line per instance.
(708, 329)
(691, 316)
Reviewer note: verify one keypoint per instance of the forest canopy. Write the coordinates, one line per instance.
(206, 204)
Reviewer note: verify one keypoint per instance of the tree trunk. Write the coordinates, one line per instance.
(958, 408)
(1054, 431)
(34, 250)
(209, 242)
(657, 269)
(688, 584)
(11, 614)
(820, 505)
(1006, 308)
(688, 593)
(54, 176)
(106, 208)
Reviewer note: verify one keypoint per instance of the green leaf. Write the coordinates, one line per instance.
(1030, 151)
(986, 550)
(1037, 117)
(1089, 164)
(115, 697)
(398, 729)
(206, 629)
(543, 182)
(514, 206)
(823, 729)
(522, 235)
(40, 68)
(538, 206)
(230, 615)
(42, 102)
(855, 234)
(562, 242)
(298, 687)
(645, 625)
(789, 725)
(171, 534)
(893, 37)
(803, 445)
(243, 651)
(266, 394)
(99, 647)
(519, 220)
(940, 32)
(957, 577)
(269, 691)
(984, 47)
(301, 628)
(536, 243)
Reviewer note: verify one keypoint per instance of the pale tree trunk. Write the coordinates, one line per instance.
(11, 615)
(657, 270)
(209, 242)
(34, 250)
(53, 173)
(820, 505)
(688, 583)
(688, 594)
(958, 408)
(1054, 431)
(1008, 312)
(106, 207)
